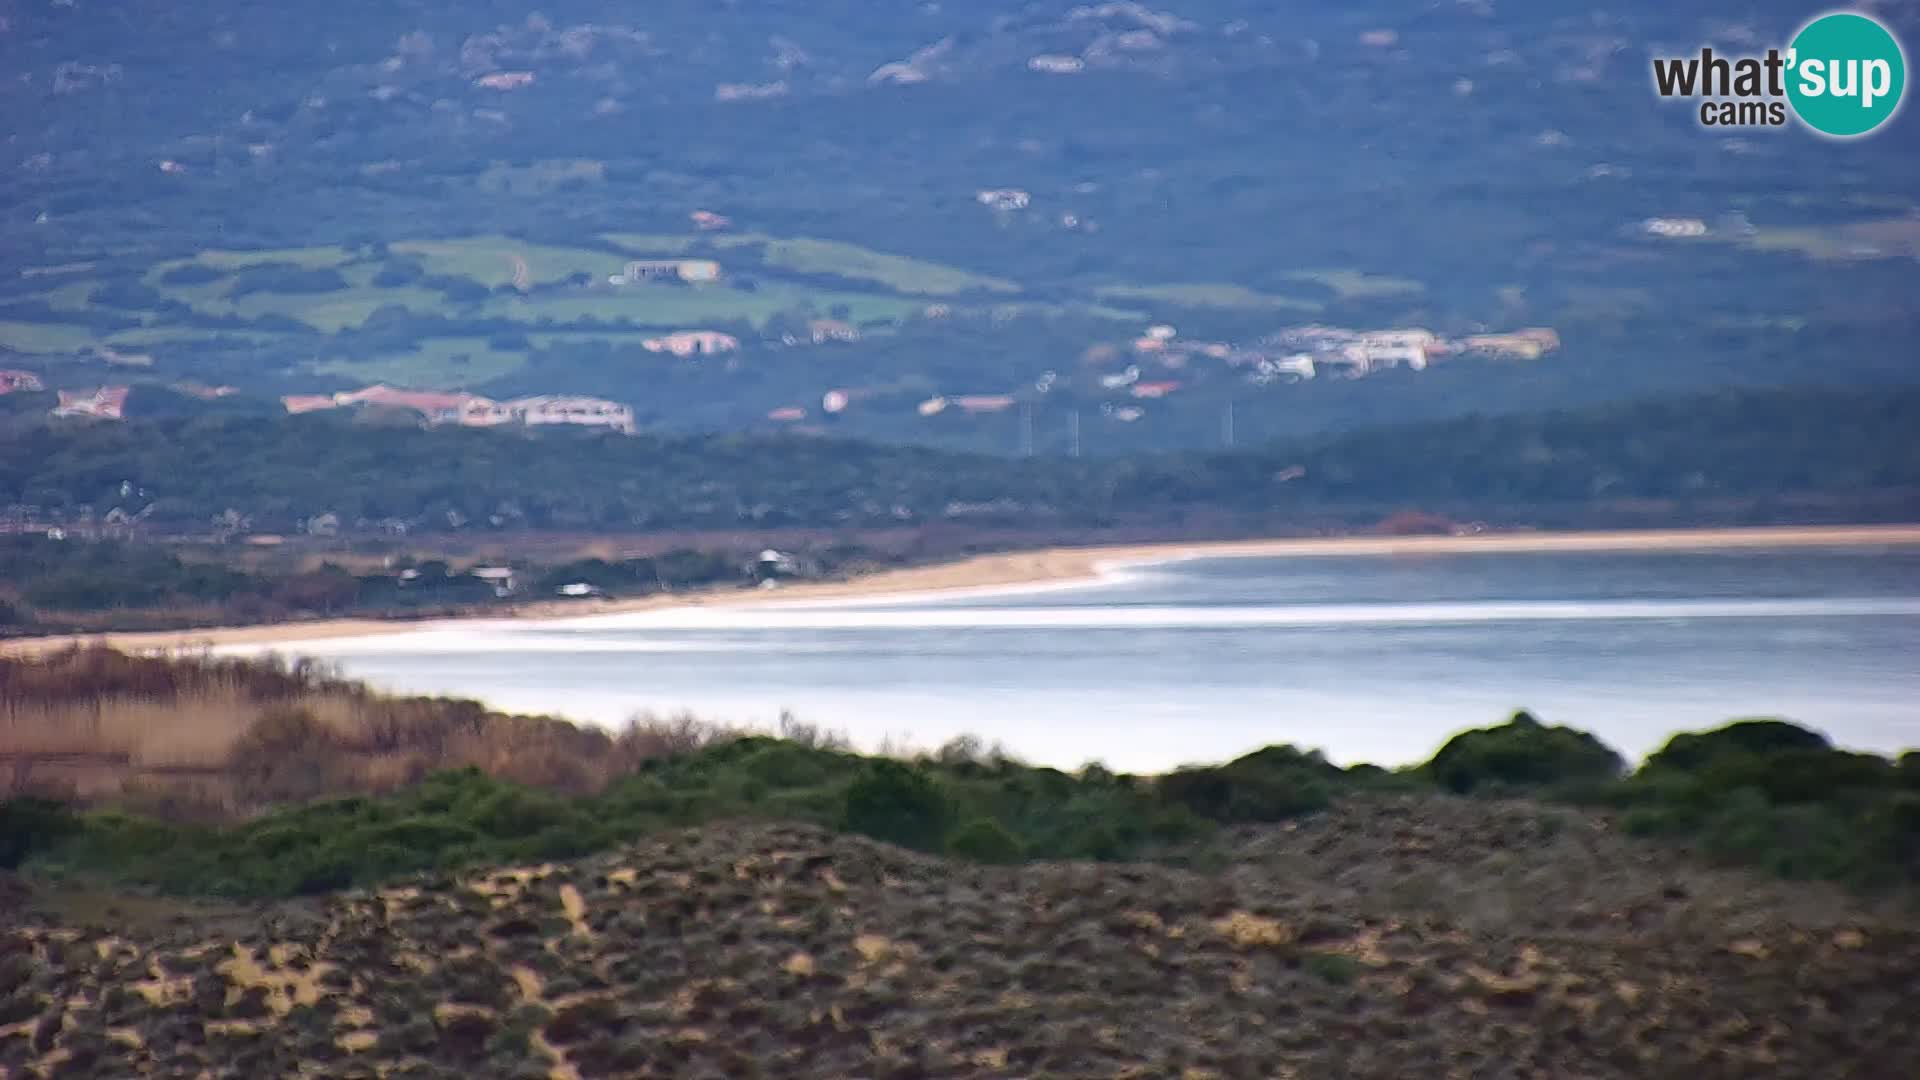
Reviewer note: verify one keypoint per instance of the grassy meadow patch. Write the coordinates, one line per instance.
(1358, 284)
(541, 177)
(441, 362)
(1887, 238)
(897, 272)
(489, 260)
(32, 337)
(1210, 294)
(676, 307)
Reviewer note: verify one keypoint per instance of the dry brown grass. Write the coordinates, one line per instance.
(199, 737)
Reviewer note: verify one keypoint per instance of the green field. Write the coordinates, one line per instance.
(1358, 284)
(880, 288)
(1210, 294)
(1021, 310)
(489, 259)
(684, 308)
(541, 177)
(309, 258)
(651, 243)
(45, 337)
(168, 335)
(449, 363)
(1603, 303)
(548, 338)
(325, 311)
(1889, 238)
(73, 296)
(896, 272)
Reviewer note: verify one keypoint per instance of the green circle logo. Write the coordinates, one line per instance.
(1846, 74)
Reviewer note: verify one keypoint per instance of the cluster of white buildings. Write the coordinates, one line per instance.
(691, 271)
(689, 343)
(1003, 199)
(1313, 350)
(1674, 228)
(472, 410)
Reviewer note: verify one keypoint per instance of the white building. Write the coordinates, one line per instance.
(583, 411)
(1381, 357)
(1299, 365)
(1054, 64)
(1674, 228)
(692, 343)
(1414, 338)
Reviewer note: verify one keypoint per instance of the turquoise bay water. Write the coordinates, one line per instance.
(1370, 658)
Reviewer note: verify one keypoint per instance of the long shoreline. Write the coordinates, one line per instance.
(1059, 565)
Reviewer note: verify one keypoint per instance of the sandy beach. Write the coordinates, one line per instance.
(1046, 565)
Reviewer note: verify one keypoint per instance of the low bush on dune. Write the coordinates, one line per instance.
(28, 825)
(1519, 754)
(986, 840)
(899, 804)
(998, 812)
(1273, 784)
(433, 786)
(1692, 751)
(1776, 795)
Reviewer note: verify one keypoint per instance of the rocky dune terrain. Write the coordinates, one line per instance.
(1389, 936)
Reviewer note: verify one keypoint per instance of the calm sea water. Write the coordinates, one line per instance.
(1370, 658)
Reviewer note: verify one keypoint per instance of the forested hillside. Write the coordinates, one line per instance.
(989, 202)
(252, 474)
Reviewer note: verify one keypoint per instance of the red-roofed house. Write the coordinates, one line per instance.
(430, 403)
(1154, 389)
(23, 381)
(306, 403)
(102, 403)
(984, 403)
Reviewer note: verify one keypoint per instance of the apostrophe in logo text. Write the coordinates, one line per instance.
(1844, 74)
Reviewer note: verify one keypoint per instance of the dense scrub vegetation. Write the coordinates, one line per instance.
(1788, 450)
(66, 586)
(1758, 792)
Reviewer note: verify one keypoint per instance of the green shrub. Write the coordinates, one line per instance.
(29, 826)
(778, 764)
(1271, 784)
(1521, 753)
(985, 840)
(898, 804)
(1232, 797)
(510, 812)
(1799, 776)
(1335, 968)
(1691, 751)
(1891, 832)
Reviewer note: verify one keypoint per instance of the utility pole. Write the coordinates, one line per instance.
(1073, 433)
